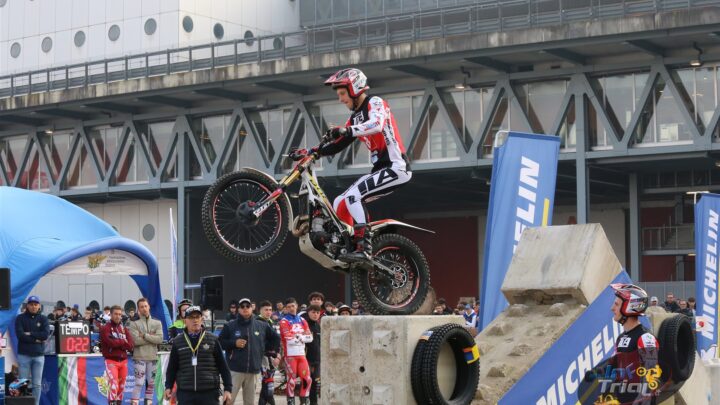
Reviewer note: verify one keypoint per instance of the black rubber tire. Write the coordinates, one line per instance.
(226, 249)
(359, 277)
(416, 370)
(677, 347)
(468, 375)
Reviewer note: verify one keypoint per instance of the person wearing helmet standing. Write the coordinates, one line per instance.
(177, 327)
(373, 124)
(635, 348)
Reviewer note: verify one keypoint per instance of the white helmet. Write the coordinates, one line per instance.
(354, 80)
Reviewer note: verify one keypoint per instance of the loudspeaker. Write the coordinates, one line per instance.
(4, 288)
(211, 292)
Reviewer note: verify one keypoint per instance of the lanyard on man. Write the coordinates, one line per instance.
(194, 350)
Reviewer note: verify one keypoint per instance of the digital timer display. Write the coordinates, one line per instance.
(72, 337)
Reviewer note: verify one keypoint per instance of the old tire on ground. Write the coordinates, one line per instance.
(677, 348)
(236, 236)
(406, 290)
(467, 371)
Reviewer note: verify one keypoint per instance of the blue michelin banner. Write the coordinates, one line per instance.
(521, 195)
(558, 376)
(707, 214)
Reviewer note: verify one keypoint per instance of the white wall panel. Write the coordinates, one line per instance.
(132, 9)
(47, 16)
(131, 36)
(31, 18)
(150, 7)
(168, 27)
(62, 47)
(113, 10)
(169, 5)
(95, 42)
(17, 14)
(63, 14)
(97, 12)
(150, 42)
(81, 13)
(30, 53)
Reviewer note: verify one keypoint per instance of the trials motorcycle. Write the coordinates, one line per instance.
(246, 216)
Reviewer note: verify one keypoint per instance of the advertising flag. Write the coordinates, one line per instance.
(521, 195)
(707, 213)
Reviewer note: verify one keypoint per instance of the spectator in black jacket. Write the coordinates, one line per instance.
(312, 316)
(245, 341)
(32, 329)
(671, 305)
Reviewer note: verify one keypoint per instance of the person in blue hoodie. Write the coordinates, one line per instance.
(32, 329)
(245, 341)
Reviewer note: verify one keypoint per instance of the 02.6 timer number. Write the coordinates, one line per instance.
(76, 345)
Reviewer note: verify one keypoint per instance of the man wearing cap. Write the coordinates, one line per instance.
(246, 340)
(32, 329)
(197, 363)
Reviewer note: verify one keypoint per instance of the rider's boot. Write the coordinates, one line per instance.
(290, 400)
(363, 245)
(304, 401)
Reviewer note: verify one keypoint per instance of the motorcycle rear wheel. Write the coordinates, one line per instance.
(405, 291)
(231, 231)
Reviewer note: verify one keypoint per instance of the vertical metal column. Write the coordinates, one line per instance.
(182, 201)
(635, 259)
(581, 169)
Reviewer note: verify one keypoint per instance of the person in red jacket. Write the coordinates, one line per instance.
(294, 333)
(115, 342)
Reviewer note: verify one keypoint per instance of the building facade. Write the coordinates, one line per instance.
(630, 87)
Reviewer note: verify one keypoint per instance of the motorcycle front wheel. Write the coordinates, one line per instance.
(401, 293)
(227, 222)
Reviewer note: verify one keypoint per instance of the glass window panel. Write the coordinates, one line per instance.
(374, 7)
(597, 133)
(58, 150)
(82, 172)
(402, 112)
(299, 140)
(12, 150)
(29, 178)
(619, 94)
(435, 139)
(210, 133)
(160, 134)
(568, 135)
(661, 120)
(474, 111)
(544, 101)
(38, 176)
(455, 105)
(684, 80)
(705, 94)
(357, 9)
(507, 117)
(341, 10)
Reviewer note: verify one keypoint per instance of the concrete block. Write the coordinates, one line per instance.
(559, 309)
(366, 359)
(557, 263)
(697, 389)
(337, 394)
(517, 310)
(499, 329)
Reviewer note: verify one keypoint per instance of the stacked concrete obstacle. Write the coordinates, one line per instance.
(366, 359)
(555, 272)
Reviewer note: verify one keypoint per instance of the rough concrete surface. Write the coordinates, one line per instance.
(505, 358)
(366, 359)
(557, 263)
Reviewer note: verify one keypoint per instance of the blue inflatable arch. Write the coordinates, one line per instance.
(42, 233)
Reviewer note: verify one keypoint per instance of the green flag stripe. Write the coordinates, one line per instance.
(62, 380)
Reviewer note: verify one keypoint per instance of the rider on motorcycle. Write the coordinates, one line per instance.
(372, 122)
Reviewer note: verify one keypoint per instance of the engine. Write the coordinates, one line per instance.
(323, 234)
